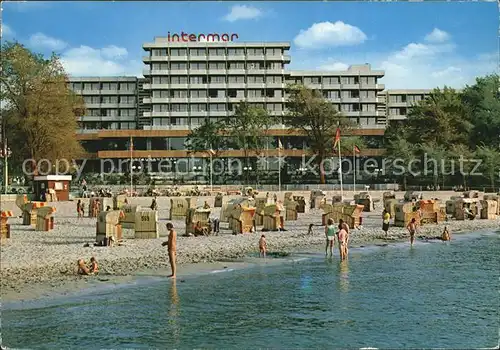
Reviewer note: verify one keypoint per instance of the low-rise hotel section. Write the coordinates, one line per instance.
(186, 83)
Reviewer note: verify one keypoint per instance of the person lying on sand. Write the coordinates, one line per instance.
(82, 268)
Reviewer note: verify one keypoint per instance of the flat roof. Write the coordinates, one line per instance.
(162, 42)
(54, 178)
(111, 79)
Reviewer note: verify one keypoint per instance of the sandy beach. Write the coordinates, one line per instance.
(33, 263)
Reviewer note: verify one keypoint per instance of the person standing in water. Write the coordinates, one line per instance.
(446, 236)
(343, 244)
(330, 233)
(412, 228)
(343, 225)
(262, 246)
(386, 217)
(172, 248)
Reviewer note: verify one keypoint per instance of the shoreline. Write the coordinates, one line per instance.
(34, 260)
(73, 285)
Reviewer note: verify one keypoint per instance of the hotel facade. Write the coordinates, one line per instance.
(186, 83)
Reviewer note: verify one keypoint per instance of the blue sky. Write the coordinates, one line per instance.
(419, 45)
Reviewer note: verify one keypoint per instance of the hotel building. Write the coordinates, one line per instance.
(185, 83)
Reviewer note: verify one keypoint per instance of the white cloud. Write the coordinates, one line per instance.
(416, 65)
(328, 34)
(42, 41)
(25, 6)
(437, 36)
(7, 31)
(106, 61)
(242, 12)
(334, 66)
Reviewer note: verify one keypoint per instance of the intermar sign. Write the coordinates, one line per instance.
(187, 37)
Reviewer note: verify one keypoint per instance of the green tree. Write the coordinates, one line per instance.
(440, 119)
(40, 110)
(247, 128)
(490, 165)
(438, 162)
(309, 112)
(207, 136)
(401, 154)
(482, 101)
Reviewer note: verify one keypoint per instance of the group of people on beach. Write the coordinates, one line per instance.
(91, 269)
(339, 233)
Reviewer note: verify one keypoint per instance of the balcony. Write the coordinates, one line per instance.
(178, 114)
(217, 85)
(217, 58)
(198, 72)
(216, 71)
(218, 113)
(217, 99)
(233, 71)
(350, 99)
(199, 114)
(369, 114)
(398, 104)
(109, 105)
(396, 117)
(332, 86)
(277, 71)
(160, 114)
(195, 86)
(179, 100)
(127, 105)
(109, 92)
(90, 92)
(349, 86)
(198, 58)
(256, 71)
(146, 59)
(175, 86)
(256, 85)
(158, 59)
(179, 58)
(159, 100)
(256, 57)
(146, 100)
(236, 58)
(198, 100)
(178, 72)
(275, 85)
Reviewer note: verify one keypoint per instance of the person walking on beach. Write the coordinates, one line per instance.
(330, 233)
(154, 204)
(343, 244)
(262, 246)
(79, 209)
(386, 217)
(412, 228)
(172, 248)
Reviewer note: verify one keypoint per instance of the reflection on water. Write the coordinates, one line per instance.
(173, 312)
(344, 276)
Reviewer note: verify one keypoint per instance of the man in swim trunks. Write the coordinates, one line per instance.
(262, 246)
(330, 233)
(386, 217)
(412, 228)
(343, 244)
(172, 248)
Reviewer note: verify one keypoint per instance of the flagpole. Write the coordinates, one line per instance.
(354, 162)
(131, 178)
(340, 174)
(279, 168)
(211, 171)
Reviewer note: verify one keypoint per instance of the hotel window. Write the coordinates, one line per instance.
(216, 52)
(197, 79)
(217, 107)
(236, 65)
(160, 93)
(127, 126)
(236, 52)
(91, 86)
(127, 86)
(255, 79)
(274, 52)
(198, 93)
(178, 65)
(372, 80)
(196, 65)
(363, 80)
(159, 52)
(274, 65)
(109, 99)
(127, 112)
(255, 52)
(331, 80)
(331, 94)
(368, 107)
(275, 107)
(178, 80)
(217, 79)
(276, 79)
(236, 79)
(312, 80)
(217, 65)
(179, 121)
(198, 107)
(77, 86)
(109, 112)
(197, 52)
(178, 52)
(127, 99)
(179, 93)
(254, 93)
(160, 122)
(160, 108)
(94, 112)
(254, 65)
(160, 66)
(197, 121)
(179, 107)
(160, 80)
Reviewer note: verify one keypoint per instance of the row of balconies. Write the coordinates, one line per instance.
(325, 87)
(89, 118)
(225, 113)
(106, 92)
(111, 105)
(230, 71)
(225, 58)
(149, 100)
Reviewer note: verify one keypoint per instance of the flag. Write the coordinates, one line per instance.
(131, 145)
(356, 149)
(280, 145)
(337, 138)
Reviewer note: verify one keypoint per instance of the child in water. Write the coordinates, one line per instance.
(262, 246)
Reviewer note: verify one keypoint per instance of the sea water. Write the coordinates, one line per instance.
(433, 295)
